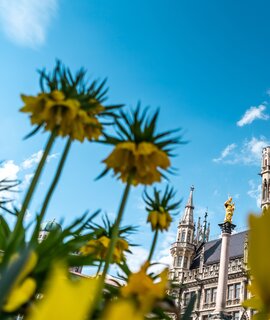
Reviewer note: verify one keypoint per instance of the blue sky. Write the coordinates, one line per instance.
(204, 63)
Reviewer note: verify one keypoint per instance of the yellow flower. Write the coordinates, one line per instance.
(144, 289)
(142, 161)
(64, 299)
(259, 262)
(99, 248)
(23, 289)
(54, 110)
(122, 309)
(159, 220)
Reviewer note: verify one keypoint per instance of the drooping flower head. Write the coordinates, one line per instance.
(99, 244)
(140, 154)
(68, 104)
(159, 208)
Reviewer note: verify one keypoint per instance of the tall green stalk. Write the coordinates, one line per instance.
(113, 241)
(36, 177)
(16, 236)
(53, 184)
(154, 242)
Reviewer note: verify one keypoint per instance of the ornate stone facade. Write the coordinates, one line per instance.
(196, 261)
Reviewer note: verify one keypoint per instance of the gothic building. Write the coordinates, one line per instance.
(196, 262)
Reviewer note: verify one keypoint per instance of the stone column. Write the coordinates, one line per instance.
(226, 230)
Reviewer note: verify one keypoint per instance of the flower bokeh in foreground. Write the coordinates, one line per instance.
(64, 298)
(24, 286)
(122, 308)
(145, 289)
(259, 264)
(99, 247)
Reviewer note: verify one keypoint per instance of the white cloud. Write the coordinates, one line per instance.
(137, 258)
(25, 22)
(226, 152)
(252, 114)
(33, 159)
(9, 170)
(249, 153)
(255, 192)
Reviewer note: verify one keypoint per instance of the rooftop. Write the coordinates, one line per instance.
(212, 249)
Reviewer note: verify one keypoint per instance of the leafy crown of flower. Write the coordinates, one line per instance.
(161, 202)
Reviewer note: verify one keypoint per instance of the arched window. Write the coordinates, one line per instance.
(264, 189)
(189, 237)
(185, 262)
(183, 236)
(179, 261)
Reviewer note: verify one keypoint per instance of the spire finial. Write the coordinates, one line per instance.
(188, 214)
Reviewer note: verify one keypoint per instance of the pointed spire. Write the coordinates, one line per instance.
(204, 225)
(188, 214)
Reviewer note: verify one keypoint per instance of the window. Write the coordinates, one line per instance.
(210, 295)
(185, 262)
(189, 236)
(179, 261)
(187, 297)
(207, 297)
(236, 315)
(214, 294)
(230, 292)
(234, 291)
(237, 290)
(183, 236)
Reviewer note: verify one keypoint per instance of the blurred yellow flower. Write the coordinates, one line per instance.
(159, 220)
(142, 287)
(23, 289)
(54, 110)
(142, 161)
(64, 299)
(259, 263)
(99, 248)
(122, 309)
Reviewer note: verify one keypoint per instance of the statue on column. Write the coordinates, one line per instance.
(229, 208)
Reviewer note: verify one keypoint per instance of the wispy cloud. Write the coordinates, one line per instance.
(255, 192)
(12, 171)
(35, 158)
(226, 152)
(25, 22)
(252, 114)
(249, 153)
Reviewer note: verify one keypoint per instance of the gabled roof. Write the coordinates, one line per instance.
(212, 249)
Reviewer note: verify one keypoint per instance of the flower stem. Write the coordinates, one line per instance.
(154, 242)
(113, 240)
(35, 179)
(18, 234)
(53, 185)
(99, 268)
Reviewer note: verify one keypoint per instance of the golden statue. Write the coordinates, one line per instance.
(229, 208)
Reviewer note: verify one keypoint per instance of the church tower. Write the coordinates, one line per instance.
(265, 174)
(183, 249)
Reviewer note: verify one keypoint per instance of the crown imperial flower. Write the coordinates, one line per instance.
(140, 155)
